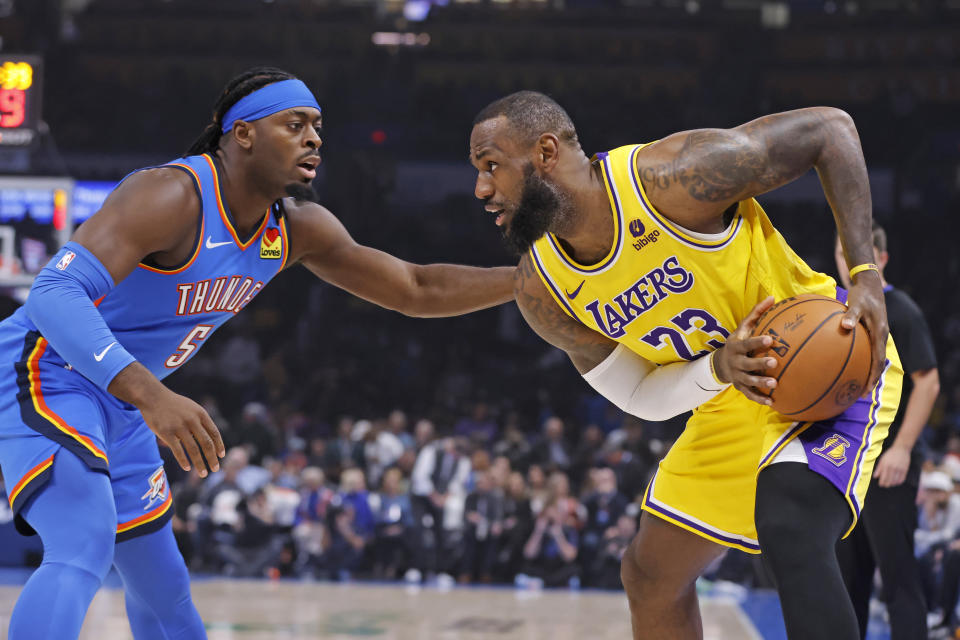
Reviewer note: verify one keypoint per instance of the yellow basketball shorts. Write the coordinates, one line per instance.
(707, 482)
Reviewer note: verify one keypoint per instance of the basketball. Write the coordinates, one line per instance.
(821, 368)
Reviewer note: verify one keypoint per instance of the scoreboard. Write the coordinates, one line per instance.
(35, 221)
(20, 91)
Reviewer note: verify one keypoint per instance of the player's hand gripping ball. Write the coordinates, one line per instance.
(821, 368)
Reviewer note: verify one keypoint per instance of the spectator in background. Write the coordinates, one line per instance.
(604, 507)
(558, 494)
(343, 452)
(441, 470)
(884, 538)
(317, 453)
(256, 430)
(517, 525)
(423, 434)
(537, 488)
(483, 524)
(588, 453)
(222, 498)
(500, 471)
(606, 565)
(632, 456)
(352, 527)
(310, 524)
(936, 543)
(258, 543)
(951, 458)
(552, 451)
(397, 425)
(381, 449)
(513, 446)
(239, 363)
(479, 427)
(186, 510)
(393, 523)
(551, 550)
(479, 461)
(280, 475)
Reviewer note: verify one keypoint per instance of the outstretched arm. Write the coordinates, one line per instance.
(692, 177)
(321, 243)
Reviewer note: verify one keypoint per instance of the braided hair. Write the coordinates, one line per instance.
(238, 87)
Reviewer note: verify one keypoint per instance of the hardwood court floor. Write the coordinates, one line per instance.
(262, 610)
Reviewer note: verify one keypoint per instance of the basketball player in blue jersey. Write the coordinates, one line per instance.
(174, 252)
(650, 265)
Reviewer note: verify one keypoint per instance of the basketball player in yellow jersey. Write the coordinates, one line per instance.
(650, 265)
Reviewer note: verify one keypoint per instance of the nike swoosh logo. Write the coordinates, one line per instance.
(99, 356)
(576, 291)
(214, 245)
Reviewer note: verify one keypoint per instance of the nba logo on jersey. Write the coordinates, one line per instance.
(158, 489)
(271, 246)
(65, 260)
(834, 449)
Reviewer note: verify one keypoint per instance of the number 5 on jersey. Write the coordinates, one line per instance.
(188, 346)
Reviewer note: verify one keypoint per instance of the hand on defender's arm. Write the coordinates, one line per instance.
(733, 363)
(178, 421)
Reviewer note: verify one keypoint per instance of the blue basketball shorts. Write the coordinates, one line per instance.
(46, 407)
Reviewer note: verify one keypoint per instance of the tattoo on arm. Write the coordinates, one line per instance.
(586, 348)
(727, 165)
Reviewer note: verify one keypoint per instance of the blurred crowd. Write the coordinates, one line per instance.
(391, 498)
(367, 445)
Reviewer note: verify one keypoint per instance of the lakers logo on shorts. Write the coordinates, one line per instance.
(834, 449)
(158, 489)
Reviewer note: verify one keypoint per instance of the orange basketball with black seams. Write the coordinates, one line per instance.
(821, 368)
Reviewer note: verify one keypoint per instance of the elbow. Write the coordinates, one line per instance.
(840, 120)
(414, 309)
(935, 384)
(34, 304)
(658, 413)
(415, 303)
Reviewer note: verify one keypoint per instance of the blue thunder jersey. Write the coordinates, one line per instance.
(162, 316)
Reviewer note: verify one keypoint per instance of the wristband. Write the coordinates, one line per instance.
(867, 266)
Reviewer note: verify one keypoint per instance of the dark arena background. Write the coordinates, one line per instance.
(326, 401)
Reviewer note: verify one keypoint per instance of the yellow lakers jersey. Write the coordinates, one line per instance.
(665, 292)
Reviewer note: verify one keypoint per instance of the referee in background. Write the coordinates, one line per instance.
(884, 537)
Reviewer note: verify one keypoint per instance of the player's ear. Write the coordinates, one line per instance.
(547, 151)
(882, 258)
(243, 134)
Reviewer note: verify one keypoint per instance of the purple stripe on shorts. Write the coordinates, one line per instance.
(875, 403)
(648, 502)
(835, 448)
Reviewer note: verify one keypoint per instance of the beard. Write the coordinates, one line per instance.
(302, 191)
(543, 206)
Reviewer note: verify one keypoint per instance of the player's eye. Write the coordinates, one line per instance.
(296, 126)
(492, 166)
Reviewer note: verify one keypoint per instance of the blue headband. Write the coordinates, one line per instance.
(268, 101)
